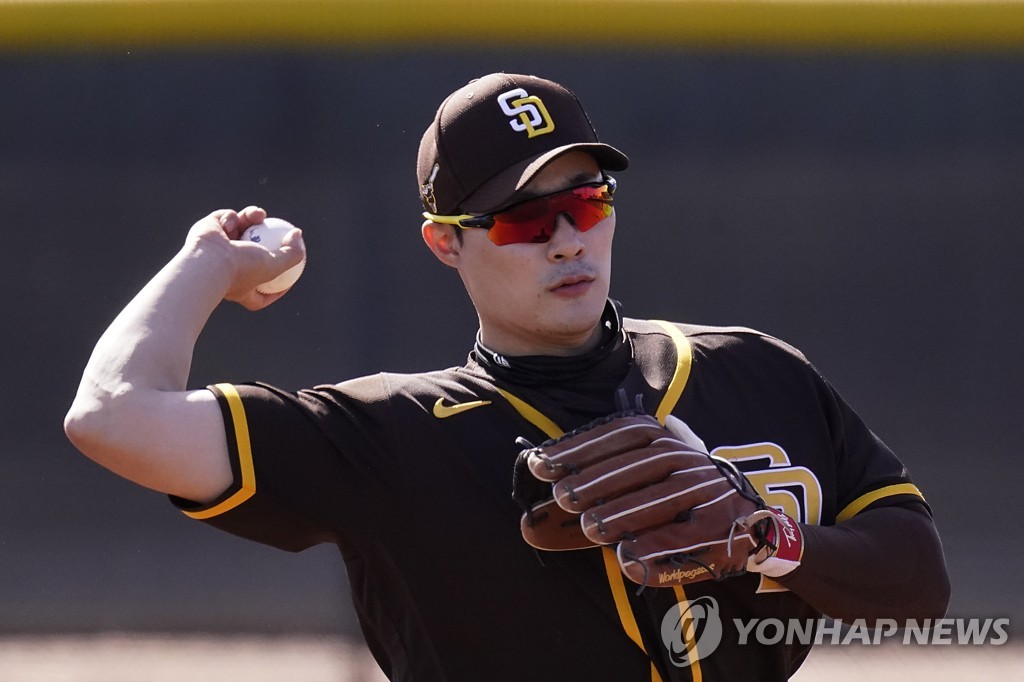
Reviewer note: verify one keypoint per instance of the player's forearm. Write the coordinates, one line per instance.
(883, 563)
(132, 413)
(146, 350)
(149, 345)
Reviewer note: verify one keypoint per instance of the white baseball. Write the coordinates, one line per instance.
(269, 234)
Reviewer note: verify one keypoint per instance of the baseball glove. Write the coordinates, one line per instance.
(677, 514)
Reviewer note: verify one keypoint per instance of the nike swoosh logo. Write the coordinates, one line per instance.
(442, 411)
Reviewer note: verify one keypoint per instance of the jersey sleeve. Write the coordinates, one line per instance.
(868, 473)
(762, 403)
(302, 466)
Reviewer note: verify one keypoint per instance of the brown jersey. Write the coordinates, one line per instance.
(410, 476)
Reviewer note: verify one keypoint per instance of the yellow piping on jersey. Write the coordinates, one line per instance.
(684, 362)
(241, 429)
(611, 564)
(684, 356)
(533, 415)
(684, 359)
(626, 617)
(858, 505)
(691, 651)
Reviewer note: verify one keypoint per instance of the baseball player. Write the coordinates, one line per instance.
(661, 470)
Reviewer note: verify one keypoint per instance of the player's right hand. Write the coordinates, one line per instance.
(247, 264)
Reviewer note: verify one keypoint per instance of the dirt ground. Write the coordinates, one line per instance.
(132, 658)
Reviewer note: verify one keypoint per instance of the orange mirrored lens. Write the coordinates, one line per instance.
(533, 222)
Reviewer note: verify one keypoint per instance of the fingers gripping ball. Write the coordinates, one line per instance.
(676, 514)
(270, 234)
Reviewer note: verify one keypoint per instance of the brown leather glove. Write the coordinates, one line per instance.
(677, 514)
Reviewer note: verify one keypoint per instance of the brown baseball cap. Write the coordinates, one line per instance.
(491, 136)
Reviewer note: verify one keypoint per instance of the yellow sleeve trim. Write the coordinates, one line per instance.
(684, 359)
(241, 428)
(858, 505)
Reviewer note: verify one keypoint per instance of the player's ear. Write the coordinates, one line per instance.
(441, 240)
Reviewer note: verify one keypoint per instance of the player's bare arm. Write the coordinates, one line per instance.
(132, 413)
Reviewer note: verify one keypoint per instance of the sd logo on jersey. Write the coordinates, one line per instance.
(528, 112)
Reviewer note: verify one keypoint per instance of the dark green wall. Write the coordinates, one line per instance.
(866, 208)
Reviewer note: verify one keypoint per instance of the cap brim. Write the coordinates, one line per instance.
(506, 187)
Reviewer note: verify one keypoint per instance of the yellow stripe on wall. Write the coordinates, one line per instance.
(858, 505)
(241, 428)
(401, 24)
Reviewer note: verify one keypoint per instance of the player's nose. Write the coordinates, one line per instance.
(566, 241)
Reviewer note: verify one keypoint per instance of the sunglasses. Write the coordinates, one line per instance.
(533, 221)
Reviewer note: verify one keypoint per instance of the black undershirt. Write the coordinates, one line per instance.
(584, 385)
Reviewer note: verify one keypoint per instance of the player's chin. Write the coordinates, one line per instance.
(580, 306)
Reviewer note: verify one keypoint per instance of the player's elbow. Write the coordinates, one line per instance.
(83, 425)
(91, 424)
(934, 600)
(931, 576)
(109, 428)
(929, 605)
(153, 439)
(941, 602)
(923, 592)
